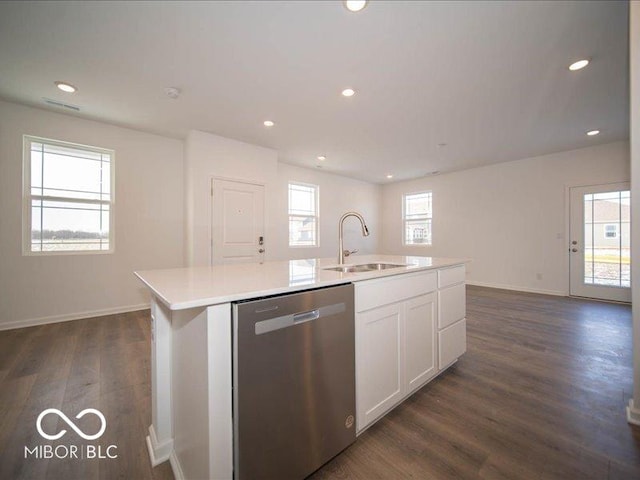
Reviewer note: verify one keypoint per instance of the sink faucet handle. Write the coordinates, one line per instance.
(350, 252)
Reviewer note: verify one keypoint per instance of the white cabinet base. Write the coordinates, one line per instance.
(403, 324)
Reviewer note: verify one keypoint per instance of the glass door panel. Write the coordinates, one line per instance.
(600, 255)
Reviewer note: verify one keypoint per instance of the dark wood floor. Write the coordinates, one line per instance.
(540, 394)
(101, 363)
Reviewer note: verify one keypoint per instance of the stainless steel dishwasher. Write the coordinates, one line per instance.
(293, 382)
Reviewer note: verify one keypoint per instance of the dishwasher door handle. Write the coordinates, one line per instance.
(306, 316)
(266, 326)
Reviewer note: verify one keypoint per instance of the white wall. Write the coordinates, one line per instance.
(509, 218)
(208, 155)
(338, 195)
(148, 222)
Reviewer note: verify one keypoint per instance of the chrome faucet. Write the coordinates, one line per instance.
(365, 233)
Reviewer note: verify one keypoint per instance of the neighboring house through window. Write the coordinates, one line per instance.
(303, 215)
(68, 198)
(611, 230)
(417, 216)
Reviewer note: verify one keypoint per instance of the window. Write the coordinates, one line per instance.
(303, 215)
(68, 199)
(417, 210)
(611, 230)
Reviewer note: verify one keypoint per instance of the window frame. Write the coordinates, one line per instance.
(27, 197)
(316, 189)
(404, 219)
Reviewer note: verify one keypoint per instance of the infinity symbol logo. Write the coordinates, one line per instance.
(71, 424)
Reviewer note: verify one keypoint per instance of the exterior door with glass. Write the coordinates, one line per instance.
(600, 240)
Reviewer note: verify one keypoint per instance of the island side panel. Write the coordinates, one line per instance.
(220, 391)
(160, 439)
(202, 393)
(190, 393)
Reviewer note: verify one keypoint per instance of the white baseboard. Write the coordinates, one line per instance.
(32, 322)
(633, 414)
(556, 293)
(158, 452)
(176, 467)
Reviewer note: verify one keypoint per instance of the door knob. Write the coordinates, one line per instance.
(575, 242)
(261, 250)
(574, 250)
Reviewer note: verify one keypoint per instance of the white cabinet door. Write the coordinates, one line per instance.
(419, 341)
(378, 362)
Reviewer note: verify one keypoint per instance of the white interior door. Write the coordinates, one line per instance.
(237, 222)
(600, 240)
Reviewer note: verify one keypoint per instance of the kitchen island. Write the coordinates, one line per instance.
(410, 326)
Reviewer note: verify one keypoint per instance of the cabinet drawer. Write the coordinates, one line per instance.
(450, 276)
(453, 343)
(374, 293)
(451, 305)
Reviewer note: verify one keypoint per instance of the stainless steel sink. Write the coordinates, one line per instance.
(383, 266)
(364, 267)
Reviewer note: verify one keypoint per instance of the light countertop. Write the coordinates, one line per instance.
(181, 288)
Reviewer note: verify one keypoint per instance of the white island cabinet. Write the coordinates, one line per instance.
(397, 341)
(409, 327)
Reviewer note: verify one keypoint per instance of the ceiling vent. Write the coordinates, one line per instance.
(58, 104)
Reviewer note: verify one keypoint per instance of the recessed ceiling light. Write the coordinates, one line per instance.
(322, 158)
(66, 87)
(348, 92)
(268, 123)
(591, 133)
(355, 5)
(578, 65)
(389, 176)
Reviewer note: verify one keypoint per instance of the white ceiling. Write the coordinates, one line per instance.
(489, 79)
